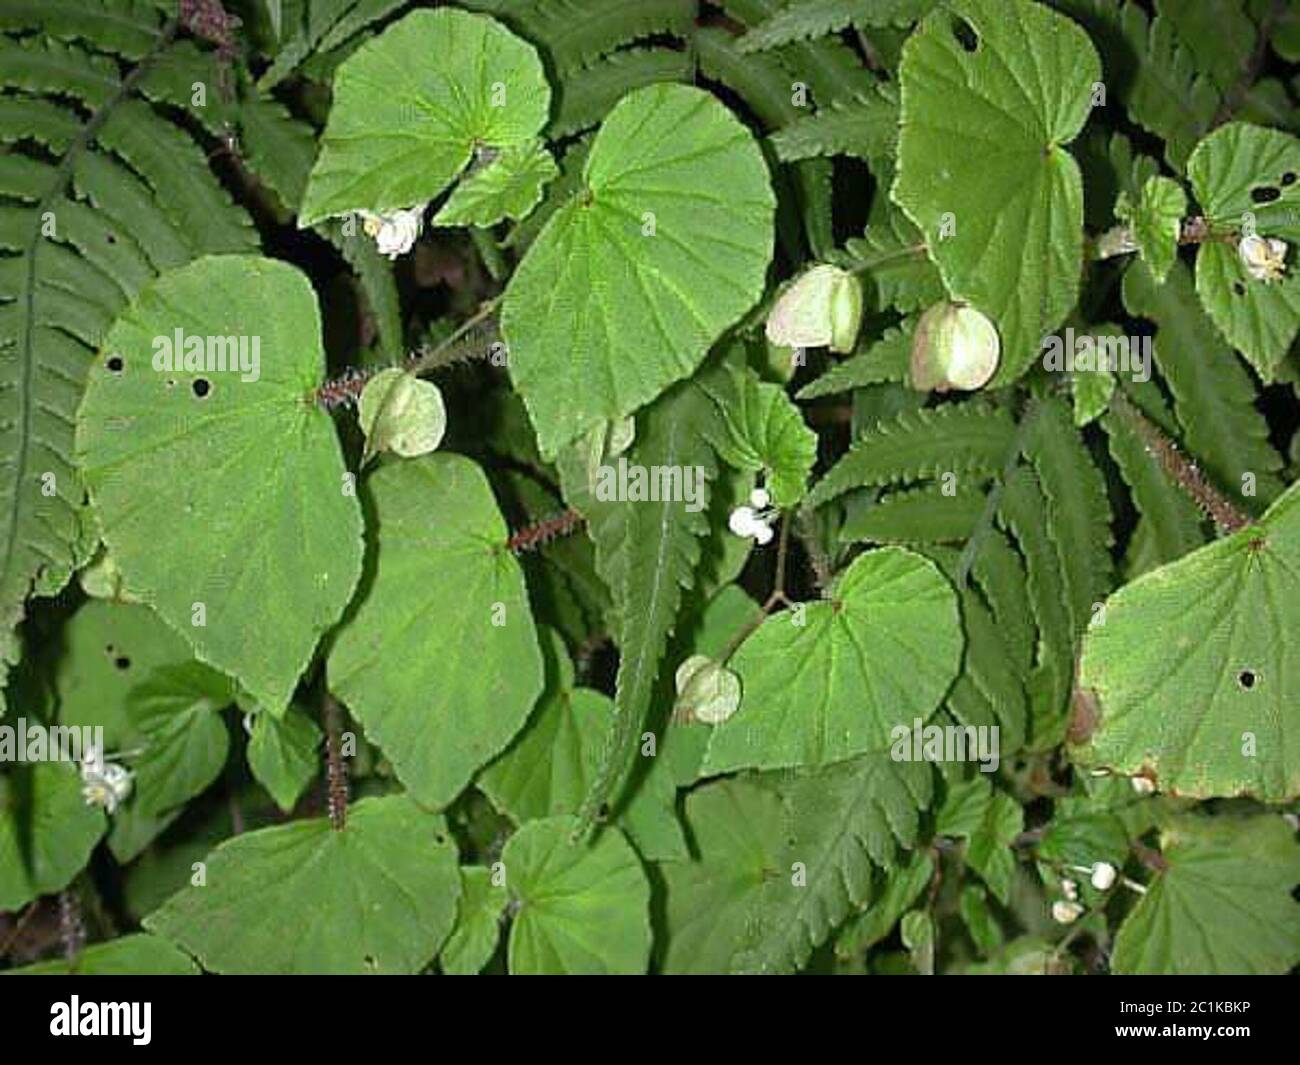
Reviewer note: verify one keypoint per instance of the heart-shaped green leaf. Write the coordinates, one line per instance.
(1239, 173)
(508, 187)
(412, 105)
(445, 579)
(631, 282)
(379, 896)
(992, 90)
(1221, 904)
(135, 955)
(46, 831)
(1189, 663)
(828, 680)
(221, 492)
(581, 909)
(284, 755)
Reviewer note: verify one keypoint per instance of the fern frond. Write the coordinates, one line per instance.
(575, 33)
(1022, 511)
(1169, 520)
(1078, 511)
(999, 573)
(961, 438)
(130, 194)
(841, 822)
(1214, 395)
(883, 360)
(925, 515)
(986, 692)
(891, 259)
(866, 128)
(1150, 72)
(128, 28)
(803, 20)
(832, 71)
(587, 95)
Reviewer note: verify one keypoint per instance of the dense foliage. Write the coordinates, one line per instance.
(618, 486)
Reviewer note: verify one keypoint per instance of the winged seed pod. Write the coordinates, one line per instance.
(706, 690)
(955, 346)
(402, 414)
(823, 308)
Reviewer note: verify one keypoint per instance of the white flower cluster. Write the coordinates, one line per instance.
(1265, 257)
(394, 231)
(105, 784)
(1101, 875)
(754, 521)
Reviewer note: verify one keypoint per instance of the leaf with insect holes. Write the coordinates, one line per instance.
(275, 900)
(1245, 178)
(631, 282)
(221, 492)
(992, 91)
(510, 186)
(829, 680)
(1221, 903)
(1207, 706)
(442, 577)
(413, 104)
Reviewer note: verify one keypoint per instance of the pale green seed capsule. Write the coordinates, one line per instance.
(706, 690)
(402, 414)
(822, 308)
(955, 347)
(846, 312)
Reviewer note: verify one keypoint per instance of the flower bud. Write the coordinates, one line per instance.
(400, 413)
(1066, 912)
(706, 690)
(1264, 257)
(955, 346)
(1103, 876)
(822, 308)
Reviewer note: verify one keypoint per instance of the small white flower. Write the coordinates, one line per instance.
(1265, 257)
(752, 524)
(394, 231)
(1070, 889)
(759, 498)
(105, 784)
(1103, 876)
(1066, 912)
(1144, 785)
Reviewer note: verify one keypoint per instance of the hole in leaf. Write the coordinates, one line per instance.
(1246, 678)
(202, 387)
(1265, 194)
(110, 238)
(115, 363)
(122, 662)
(1238, 288)
(965, 34)
(370, 961)
(1288, 178)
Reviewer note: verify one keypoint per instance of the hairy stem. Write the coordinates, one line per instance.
(1180, 469)
(336, 769)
